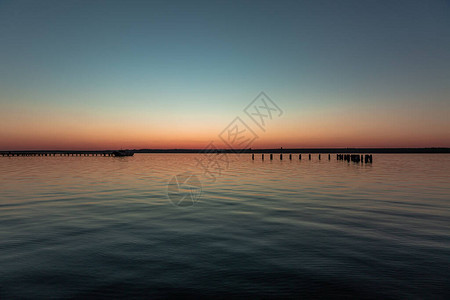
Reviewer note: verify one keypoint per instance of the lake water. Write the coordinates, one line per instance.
(105, 227)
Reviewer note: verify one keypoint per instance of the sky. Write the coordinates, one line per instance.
(175, 74)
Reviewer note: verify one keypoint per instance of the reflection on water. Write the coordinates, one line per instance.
(101, 227)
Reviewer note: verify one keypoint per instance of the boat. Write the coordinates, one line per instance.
(121, 153)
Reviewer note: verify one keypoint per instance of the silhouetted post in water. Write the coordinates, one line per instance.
(262, 156)
(329, 156)
(355, 158)
(319, 156)
(253, 156)
(368, 158)
(300, 156)
(309, 156)
(281, 156)
(290, 156)
(271, 156)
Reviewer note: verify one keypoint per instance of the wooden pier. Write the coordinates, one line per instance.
(356, 158)
(105, 153)
(367, 158)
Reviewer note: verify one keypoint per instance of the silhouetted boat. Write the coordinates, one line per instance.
(123, 153)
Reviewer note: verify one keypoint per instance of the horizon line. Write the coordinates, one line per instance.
(258, 150)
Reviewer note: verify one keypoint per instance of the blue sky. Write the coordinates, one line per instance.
(189, 67)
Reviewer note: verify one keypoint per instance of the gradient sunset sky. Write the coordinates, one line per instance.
(174, 74)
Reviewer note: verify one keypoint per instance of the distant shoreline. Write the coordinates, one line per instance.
(434, 150)
(304, 150)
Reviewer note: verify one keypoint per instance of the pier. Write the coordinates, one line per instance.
(105, 153)
(367, 158)
(356, 158)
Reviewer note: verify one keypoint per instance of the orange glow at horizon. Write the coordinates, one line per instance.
(113, 137)
(49, 128)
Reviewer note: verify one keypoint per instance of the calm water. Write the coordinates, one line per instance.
(102, 227)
